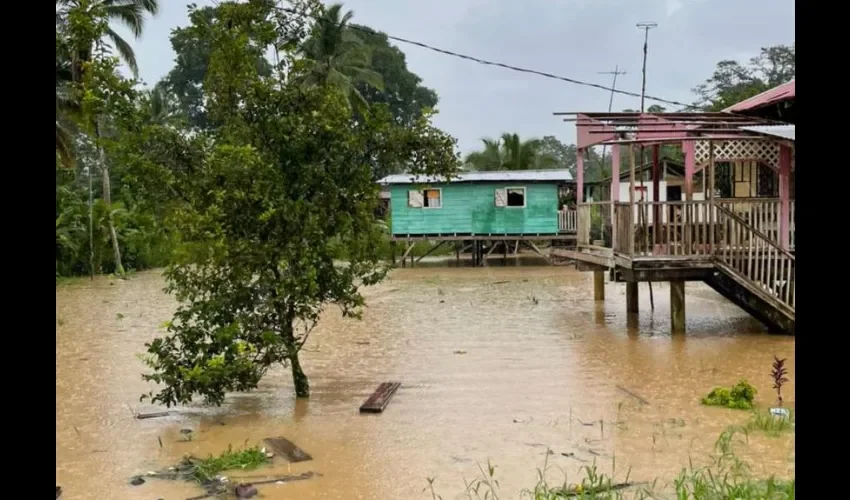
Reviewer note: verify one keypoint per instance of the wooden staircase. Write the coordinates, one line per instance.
(753, 272)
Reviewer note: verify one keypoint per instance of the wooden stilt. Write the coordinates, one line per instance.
(631, 297)
(598, 285)
(406, 253)
(677, 306)
(438, 245)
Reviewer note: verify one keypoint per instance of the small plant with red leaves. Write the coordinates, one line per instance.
(778, 373)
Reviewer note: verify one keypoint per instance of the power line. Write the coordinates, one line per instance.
(498, 64)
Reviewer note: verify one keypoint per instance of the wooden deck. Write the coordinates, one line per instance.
(695, 241)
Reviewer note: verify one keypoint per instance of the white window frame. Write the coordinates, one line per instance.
(424, 197)
(524, 197)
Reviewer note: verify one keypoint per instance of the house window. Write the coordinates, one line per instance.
(426, 198)
(516, 197)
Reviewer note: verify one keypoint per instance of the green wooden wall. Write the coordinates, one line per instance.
(470, 208)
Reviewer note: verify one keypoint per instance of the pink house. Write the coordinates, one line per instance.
(739, 238)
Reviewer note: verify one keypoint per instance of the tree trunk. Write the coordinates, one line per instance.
(107, 198)
(302, 386)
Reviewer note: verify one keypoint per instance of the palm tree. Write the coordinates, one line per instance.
(130, 13)
(340, 57)
(510, 153)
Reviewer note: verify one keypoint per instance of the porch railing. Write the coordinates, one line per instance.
(754, 257)
(593, 223)
(567, 220)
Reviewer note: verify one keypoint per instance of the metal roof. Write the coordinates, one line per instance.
(783, 131)
(497, 176)
(780, 93)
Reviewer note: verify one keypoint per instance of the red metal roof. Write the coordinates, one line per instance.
(775, 95)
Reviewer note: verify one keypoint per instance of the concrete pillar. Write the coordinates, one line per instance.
(631, 297)
(598, 285)
(677, 306)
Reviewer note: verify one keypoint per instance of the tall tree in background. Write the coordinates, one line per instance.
(340, 58)
(733, 82)
(510, 153)
(191, 64)
(130, 13)
(89, 59)
(402, 91)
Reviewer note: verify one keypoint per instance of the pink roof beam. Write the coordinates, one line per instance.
(781, 93)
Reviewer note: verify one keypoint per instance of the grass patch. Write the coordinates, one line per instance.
(772, 425)
(739, 397)
(725, 477)
(205, 470)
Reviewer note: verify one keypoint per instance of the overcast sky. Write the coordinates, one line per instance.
(572, 38)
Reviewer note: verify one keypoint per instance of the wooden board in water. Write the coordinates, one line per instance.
(380, 398)
(287, 449)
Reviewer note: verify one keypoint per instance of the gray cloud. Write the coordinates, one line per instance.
(573, 38)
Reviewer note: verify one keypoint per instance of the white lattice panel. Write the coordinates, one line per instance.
(765, 151)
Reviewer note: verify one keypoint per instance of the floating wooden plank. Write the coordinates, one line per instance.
(143, 416)
(380, 398)
(287, 449)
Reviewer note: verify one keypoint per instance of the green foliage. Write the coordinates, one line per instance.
(725, 477)
(276, 190)
(740, 396)
(206, 470)
(772, 425)
(510, 153)
(733, 82)
(403, 92)
(338, 57)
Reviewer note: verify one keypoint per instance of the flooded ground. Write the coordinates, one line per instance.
(496, 363)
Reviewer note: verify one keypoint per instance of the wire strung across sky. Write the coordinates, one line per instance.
(498, 64)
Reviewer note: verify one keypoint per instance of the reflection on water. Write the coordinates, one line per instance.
(543, 364)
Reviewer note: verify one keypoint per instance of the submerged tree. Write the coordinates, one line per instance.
(284, 175)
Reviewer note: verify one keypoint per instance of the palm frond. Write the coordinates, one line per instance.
(131, 14)
(124, 50)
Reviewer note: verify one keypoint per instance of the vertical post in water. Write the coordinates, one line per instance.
(677, 306)
(598, 285)
(631, 297)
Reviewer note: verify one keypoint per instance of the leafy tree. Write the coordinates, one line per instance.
(733, 82)
(402, 89)
(340, 58)
(287, 172)
(510, 153)
(130, 13)
(186, 78)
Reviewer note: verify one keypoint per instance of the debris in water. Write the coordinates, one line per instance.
(780, 412)
(630, 393)
(58, 491)
(287, 449)
(156, 414)
(136, 481)
(459, 351)
(245, 490)
(362, 342)
(379, 400)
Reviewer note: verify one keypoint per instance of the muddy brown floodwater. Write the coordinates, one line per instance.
(496, 363)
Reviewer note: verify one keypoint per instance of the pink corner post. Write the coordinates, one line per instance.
(580, 175)
(784, 194)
